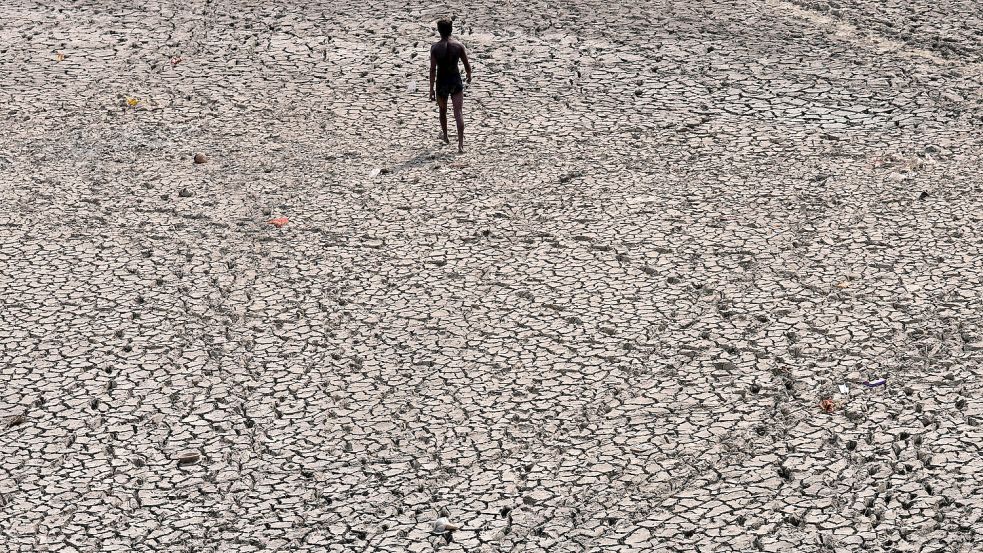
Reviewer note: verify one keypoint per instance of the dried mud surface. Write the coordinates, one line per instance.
(679, 226)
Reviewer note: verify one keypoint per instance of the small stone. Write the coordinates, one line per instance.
(200, 158)
(185, 193)
(187, 457)
(570, 176)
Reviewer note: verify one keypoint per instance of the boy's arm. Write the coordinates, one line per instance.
(433, 75)
(467, 64)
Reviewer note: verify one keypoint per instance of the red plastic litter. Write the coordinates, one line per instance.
(279, 222)
(827, 405)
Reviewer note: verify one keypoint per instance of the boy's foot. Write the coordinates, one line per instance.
(444, 138)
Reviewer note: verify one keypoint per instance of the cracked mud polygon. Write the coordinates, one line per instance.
(620, 322)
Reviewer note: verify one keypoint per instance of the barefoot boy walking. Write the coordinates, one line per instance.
(444, 56)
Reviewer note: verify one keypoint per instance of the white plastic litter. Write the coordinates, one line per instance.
(443, 525)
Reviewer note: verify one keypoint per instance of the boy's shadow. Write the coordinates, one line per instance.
(425, 157)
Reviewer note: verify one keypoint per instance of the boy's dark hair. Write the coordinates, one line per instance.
(444, 27)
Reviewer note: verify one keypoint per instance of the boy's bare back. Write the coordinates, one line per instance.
(445, 78)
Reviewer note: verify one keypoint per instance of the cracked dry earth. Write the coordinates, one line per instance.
(607, 327)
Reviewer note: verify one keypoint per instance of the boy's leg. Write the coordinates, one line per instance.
(442, 104)
(458, 100)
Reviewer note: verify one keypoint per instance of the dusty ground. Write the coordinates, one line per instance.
(607, 327)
